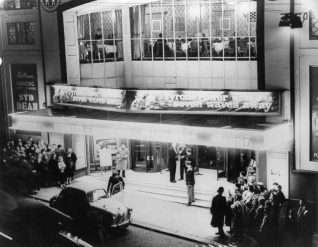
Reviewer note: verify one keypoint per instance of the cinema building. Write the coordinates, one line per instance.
(219, 76)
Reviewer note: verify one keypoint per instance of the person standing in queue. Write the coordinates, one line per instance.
(173, 157)
(218, 211)
(183, 154)
(189, 157)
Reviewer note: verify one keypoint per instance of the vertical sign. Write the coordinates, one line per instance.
(25, 87)
(314, 114)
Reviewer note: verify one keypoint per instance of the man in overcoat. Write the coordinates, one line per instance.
(218, 211)
(173, 157)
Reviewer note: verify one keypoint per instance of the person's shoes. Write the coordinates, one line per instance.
(222, 235)
(189, 204)
(193, 200)
(180, 179)
(174, 181)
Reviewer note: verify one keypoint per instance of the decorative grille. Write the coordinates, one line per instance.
(20, 33)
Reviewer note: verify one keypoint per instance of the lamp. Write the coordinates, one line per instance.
(293, 20)
(284, 21)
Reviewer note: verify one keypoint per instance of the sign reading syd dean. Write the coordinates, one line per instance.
(25, 87)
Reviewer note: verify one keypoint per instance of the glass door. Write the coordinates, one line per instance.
(139, 155)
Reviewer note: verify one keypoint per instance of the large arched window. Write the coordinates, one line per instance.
(194, 30)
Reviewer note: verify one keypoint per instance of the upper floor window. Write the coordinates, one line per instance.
(20, 33)
(19, 4)
(100, 37)
(194, 30)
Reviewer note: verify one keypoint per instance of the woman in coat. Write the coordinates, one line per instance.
(122, 161)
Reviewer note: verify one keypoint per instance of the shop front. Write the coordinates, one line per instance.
(224, 129)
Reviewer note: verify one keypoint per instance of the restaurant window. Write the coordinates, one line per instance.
(20, 33)
(19, 4)
(100, 37)
(194, 30)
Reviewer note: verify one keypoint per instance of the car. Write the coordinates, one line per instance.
(91, 208)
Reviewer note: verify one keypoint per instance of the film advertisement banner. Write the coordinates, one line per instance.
(25, 87)
(89, 96)
(234, 102)
(314, 114)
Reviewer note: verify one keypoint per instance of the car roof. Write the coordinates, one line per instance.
(83, 186)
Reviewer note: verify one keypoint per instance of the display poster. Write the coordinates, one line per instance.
(278, 170)
(100, 143)
(171, 101)
(314, 114)
(89, 96)
(234, 102)
(25, 87)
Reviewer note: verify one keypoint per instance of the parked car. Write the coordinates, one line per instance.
(91, 208)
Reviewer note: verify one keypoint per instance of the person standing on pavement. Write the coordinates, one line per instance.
(122, 162)
(190, 182)
(173, 157)
(218, 211)
(182, 153)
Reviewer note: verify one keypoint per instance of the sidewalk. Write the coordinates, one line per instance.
(158, 213)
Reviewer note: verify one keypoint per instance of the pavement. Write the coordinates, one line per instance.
(161, 206)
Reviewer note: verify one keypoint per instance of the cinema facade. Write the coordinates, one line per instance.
(151, 73)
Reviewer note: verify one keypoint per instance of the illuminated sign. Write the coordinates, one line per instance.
(201, 102)
(25, 87)
(88, 96)
(171, 101)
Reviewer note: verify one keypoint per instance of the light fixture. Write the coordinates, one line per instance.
(293, 20)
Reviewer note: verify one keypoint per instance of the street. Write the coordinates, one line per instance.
(139, 237)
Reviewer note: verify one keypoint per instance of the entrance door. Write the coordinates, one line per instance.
(148, 156)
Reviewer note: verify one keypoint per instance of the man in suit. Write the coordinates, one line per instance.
(183, 154)
(218, 210)
(173, 157)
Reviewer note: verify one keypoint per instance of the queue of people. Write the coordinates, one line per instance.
(28, 165)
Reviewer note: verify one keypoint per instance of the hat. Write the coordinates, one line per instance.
(260, 183)
(220, 190)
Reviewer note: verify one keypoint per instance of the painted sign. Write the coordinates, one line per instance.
(25, 87)
(90, 97)
(50, 5)
(201, 102)
(171, 101)
(314, 114)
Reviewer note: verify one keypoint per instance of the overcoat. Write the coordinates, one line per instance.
(122, 162)
(218, 210)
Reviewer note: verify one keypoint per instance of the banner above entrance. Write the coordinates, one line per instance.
(171, 101)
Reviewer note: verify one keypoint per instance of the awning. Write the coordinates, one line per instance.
(271, 137)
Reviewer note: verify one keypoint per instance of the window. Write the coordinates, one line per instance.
(20, 33)
(19, 4)
(100, 37)
(194, 30)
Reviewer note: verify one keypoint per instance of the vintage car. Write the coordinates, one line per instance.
(91, 208)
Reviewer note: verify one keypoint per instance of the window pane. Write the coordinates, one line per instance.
(156, 24)
(216, 15)
(19, 4)
(228, 20)
(193, 50)
(147, 49)
(253, 17)
(118, 25)
(217, 48)
(242, 16)
(145, 20)
(204, 22)
(180, 21)
(167, 21)
(96, 26)
(135, 49)
(193, 15)
(110, 50)
(243, 48)
(119, 50)
(169, 49)
(134, 22)
(253, 47)
(83, 27)
(85, 52)
(20, 33)
(230, 49)
(181, 48)
(108, 24)
(158, 48)
(204, 47)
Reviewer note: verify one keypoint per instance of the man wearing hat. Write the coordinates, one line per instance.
(218, 211)
(172, 162)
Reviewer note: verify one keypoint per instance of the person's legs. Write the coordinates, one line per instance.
(221, 232)
(192, 193)
(189, 195)
(118, 172)
(123, 173)
(181, 171)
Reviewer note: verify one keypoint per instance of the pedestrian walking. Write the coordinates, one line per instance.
(173, 157)
(218, 211)
(190, 182)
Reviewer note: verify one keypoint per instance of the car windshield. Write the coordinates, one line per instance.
(95, 195)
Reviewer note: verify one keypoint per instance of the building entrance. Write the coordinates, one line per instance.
(148, 156)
